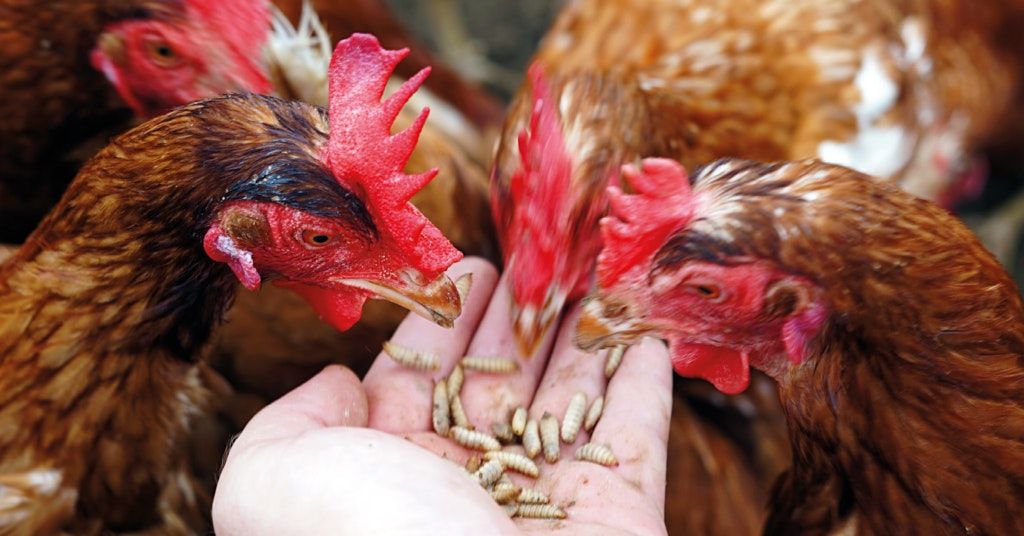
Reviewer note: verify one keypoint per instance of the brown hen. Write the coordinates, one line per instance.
(896, 339)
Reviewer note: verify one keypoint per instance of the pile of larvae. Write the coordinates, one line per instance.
(449, 420)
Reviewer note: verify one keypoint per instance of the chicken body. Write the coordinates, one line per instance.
(899, 89)
(895, 337)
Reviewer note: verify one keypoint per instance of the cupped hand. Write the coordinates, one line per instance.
(338, 457)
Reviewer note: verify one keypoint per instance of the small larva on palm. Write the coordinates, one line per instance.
(519, 421)
(611, 364)
(502, 431)
(598, 453)
(459, 413)
(594, 413)
(463, 284)
(492, 365)
(473, 463)
(489, 472)
(442, 416)
(549, 437)
(532, 496)
(407, 357)
(511, 509)
(531, 438)
(473, 439)
(504, 492)
(455, 382)
(574, 417)
(514, 461)
(540, 511)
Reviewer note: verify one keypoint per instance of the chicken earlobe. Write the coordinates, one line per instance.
(222, 248)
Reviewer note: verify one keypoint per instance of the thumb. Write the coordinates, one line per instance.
(334, 397)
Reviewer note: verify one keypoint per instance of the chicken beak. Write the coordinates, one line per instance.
(531, 324)
(439, 301)
(597, 329)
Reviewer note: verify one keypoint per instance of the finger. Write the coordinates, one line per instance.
(400, 397)
(490, 398)
(334, 397)
(570, 371)
(637, 410)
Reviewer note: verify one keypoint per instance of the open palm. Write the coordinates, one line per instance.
(336, 456)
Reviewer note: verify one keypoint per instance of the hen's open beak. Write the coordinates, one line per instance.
(439, 301)
(601, 326)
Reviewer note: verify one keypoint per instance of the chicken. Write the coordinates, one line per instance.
(273, 341)
(107, 309)
(896, 339)
(68, 68)
(901, 90)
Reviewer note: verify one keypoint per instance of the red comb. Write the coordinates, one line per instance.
(366, 158)
(244, 25)
(541, 192)
(639, 224)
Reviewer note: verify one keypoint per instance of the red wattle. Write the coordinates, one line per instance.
(727, 369)
(339, 308)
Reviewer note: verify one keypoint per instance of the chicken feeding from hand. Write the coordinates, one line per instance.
(900, 90)
(106, 311)
(68, 68)
(896, 339)
(272, 341)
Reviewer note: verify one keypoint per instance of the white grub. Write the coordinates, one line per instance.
(473, 439)
(489, 473)
(492, 365)
(511, 509)
(502, 431)
(462, 285)
(442, 415)
(540, 511)
(594, 414)
(473, 463)
(455, 380)
(531, 438)
(598, 453)
(532, 496)
(519, 421)
(573, 418)
(514, 461)
(459, 413)
(549, 437)
(611, 363)
(504, 491)
(407, 357)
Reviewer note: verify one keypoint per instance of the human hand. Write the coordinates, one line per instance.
(335, 456)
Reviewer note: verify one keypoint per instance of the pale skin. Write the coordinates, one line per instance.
(337, 456)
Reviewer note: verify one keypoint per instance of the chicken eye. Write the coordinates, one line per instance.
(161, 52)
(316, 238)
(707, 291)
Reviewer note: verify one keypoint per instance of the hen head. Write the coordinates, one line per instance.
(668, 270)
(347, 232)
(546, 218)
(176, 53)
